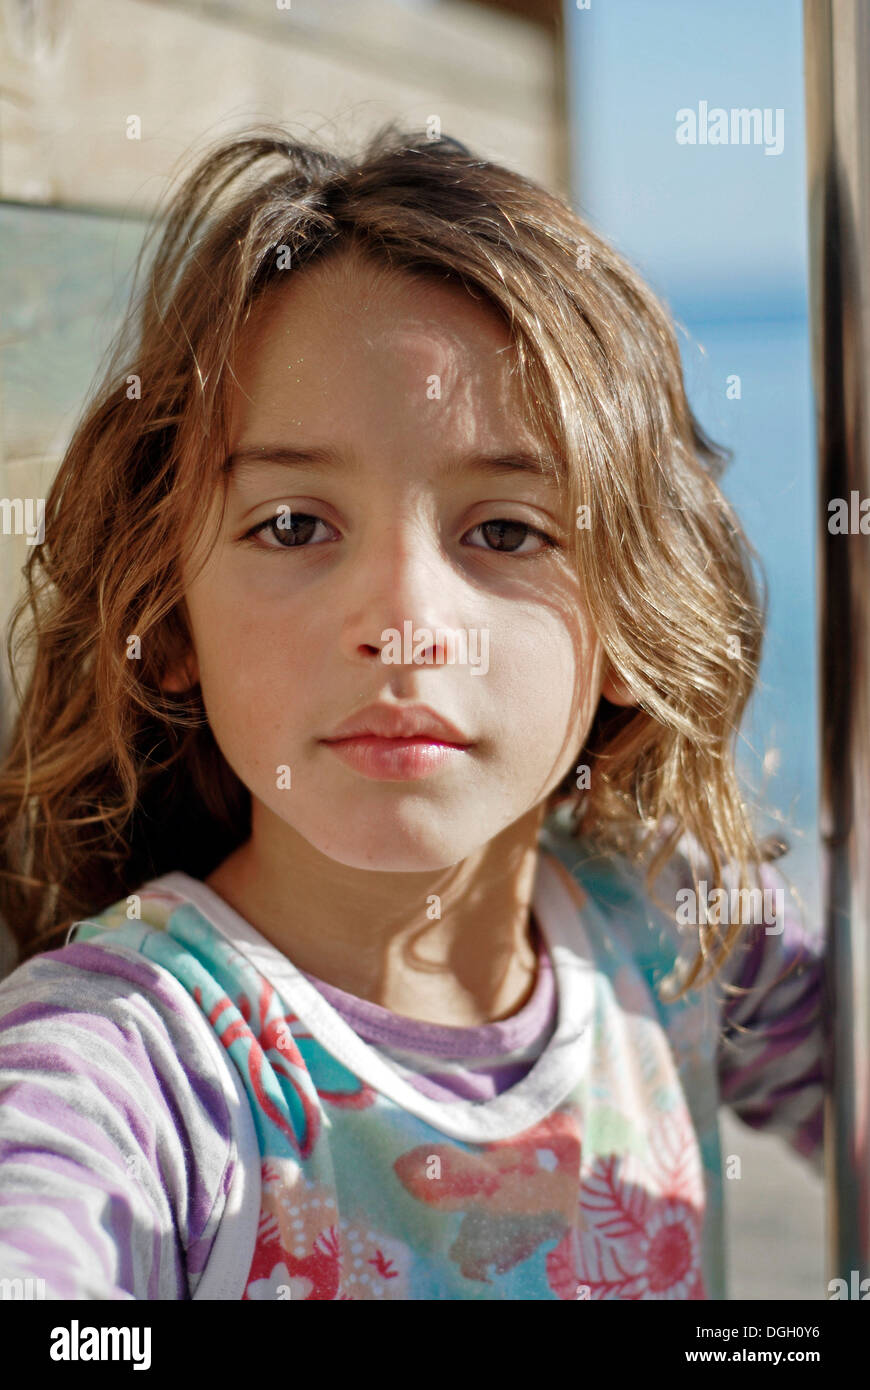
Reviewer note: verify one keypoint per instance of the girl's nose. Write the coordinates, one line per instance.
(405, 585)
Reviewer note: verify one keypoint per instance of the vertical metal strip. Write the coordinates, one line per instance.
(837, 76)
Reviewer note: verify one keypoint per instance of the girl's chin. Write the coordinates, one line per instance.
(394, 849)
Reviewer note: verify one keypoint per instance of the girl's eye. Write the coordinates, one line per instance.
(292, 530)
(505, 536)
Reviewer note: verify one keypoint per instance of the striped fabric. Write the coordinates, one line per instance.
(771, 1053)
(109, 1085)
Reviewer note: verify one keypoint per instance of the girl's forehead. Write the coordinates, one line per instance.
(349, 299)
(376, 346)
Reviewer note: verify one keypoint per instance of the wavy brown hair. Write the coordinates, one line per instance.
(108, 779)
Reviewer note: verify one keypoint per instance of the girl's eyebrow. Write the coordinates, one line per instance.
(540, 466)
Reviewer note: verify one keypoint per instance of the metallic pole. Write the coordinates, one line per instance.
(837, 75)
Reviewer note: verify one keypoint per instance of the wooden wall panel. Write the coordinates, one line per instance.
(74, 73)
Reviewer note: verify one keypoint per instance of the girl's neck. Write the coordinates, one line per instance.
(374, 934)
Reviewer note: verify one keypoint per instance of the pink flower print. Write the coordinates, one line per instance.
(297, 1247)
(639, 1224)
(671, 1253)
(280, 1284)
(660, 1262)
(306, 1251)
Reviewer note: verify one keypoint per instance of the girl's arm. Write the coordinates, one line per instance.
(116, 1150)
(772, 1050)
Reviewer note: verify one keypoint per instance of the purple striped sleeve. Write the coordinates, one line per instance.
(116, 1146)
(772, 1050)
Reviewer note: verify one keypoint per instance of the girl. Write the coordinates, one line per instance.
(377, 877)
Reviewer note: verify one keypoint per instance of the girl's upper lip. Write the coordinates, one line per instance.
(398, 721)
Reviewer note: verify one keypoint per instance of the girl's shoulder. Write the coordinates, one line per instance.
(101, 970)
(127, 1081)
(104, 1000)
(659, 929)
(148, 908)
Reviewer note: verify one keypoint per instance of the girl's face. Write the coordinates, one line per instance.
(391, 393)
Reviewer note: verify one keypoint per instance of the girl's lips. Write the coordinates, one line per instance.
(394, 759)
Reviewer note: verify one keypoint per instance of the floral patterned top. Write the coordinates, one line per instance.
(186, 1115)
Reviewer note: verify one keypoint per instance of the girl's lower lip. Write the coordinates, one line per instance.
(394, 759)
